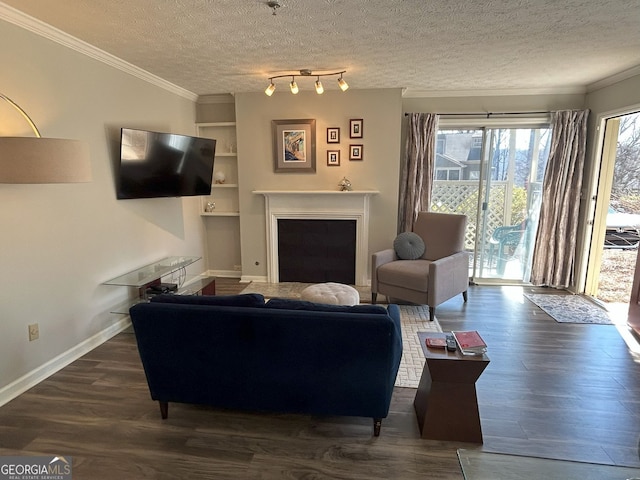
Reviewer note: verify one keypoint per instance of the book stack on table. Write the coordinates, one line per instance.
(470, 342)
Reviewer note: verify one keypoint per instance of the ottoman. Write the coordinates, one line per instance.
(331, 293)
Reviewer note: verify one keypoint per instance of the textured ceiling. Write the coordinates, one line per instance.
(222, 46)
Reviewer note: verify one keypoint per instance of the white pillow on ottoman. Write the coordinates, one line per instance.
(331, 293)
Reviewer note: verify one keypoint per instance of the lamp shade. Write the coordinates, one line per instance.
(43, 160)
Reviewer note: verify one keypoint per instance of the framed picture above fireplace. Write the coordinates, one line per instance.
(294, 145)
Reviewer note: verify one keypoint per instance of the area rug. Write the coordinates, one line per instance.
(477, 465)
(415, 318)
(570, 308)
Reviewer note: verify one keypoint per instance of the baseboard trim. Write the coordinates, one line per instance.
(225, 273)
(31, 379)
(254, 278)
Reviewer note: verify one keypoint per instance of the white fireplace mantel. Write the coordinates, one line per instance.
(321, 205)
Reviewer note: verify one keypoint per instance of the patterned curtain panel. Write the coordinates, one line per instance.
(555, 246)
(416, 175)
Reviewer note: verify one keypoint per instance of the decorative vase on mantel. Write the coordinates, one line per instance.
(345, 185)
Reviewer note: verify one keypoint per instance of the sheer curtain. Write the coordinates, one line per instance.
(416, 174)
(555, 245)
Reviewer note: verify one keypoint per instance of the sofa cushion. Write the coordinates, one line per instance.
(242, 300)
(443, 233)
(413, 274)
(408, 246)
(288, 304)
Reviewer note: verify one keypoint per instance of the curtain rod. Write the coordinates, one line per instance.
(488, 114)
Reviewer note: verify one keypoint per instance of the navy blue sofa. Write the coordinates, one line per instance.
(285, 356)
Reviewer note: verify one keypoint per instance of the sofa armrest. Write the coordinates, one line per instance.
(448, 276)
(378, 259)
(394, 312)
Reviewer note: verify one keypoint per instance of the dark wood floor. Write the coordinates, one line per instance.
(551, 390)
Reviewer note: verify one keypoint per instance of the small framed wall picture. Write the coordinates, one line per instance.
(333, 135)
(355, 128)
(333, 158)
(355, 152)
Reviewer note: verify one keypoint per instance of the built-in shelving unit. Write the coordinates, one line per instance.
(224, 196)
(221, 209)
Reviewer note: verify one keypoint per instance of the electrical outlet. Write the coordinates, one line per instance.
(34, 332)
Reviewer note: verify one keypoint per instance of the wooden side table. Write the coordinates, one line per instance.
(446, 403)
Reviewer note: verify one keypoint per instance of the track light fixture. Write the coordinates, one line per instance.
(294, 85)
(270, 89)
(307, 73)
(342, 84)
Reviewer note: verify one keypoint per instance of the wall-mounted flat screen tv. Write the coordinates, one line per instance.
(154, 164)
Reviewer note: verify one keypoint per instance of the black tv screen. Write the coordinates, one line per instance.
(154, 164)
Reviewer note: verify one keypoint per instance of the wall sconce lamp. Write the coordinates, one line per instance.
(42, 160)
(307, 73)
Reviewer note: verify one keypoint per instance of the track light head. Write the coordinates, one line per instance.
(270, 89)
(342, 84)
(293, 85)
(319, 87)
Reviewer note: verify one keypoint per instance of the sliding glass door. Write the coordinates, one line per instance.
(494, 176)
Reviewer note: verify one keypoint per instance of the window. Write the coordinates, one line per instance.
(448, 173)
(511, 160)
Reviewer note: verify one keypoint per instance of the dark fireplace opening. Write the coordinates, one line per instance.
(317, 251)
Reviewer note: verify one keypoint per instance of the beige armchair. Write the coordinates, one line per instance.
(441, 273)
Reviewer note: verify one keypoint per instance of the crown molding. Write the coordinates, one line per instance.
(618, 77)
(577, 90)
(45, 30)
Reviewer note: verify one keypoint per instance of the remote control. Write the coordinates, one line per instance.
(451, 343)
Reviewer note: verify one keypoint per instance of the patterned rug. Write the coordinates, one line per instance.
(415, 318)
(570, 308)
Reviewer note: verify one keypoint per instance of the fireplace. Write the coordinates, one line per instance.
(316, 251)
(318, 205)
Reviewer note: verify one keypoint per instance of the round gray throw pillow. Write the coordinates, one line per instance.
(408, 246)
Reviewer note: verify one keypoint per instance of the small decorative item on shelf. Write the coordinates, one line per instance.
(219, 177)
(345, 185)
(210, 207)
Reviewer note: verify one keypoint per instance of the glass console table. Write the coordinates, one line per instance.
(144, 277)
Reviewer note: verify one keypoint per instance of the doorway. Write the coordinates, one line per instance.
(494, 176)
(616, 232)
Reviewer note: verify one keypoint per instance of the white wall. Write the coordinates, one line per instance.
(379, 170)
(60, 242)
